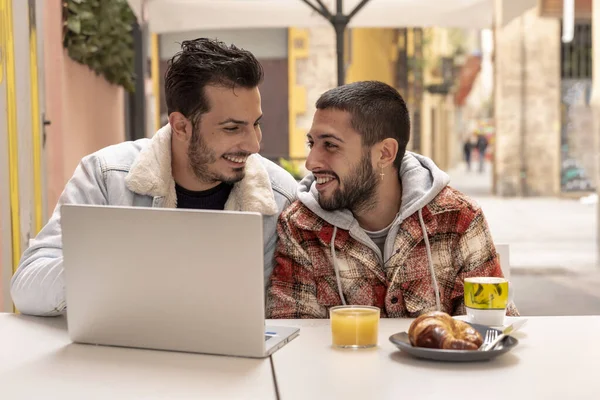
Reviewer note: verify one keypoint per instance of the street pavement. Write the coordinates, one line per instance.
(553, 252)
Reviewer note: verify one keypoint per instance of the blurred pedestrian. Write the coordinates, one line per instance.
(481, 144)
(468, 149)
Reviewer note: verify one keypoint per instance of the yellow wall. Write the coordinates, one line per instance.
(10, 118)
(437, 137)
(373, 55)
(297, 49)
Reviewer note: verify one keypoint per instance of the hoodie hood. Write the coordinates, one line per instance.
(422, 180)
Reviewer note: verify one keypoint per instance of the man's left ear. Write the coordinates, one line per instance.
(386, 153)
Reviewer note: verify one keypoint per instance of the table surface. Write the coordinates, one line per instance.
(556, 358)
(39, 361)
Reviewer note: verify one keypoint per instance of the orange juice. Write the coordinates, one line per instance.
(354, 326)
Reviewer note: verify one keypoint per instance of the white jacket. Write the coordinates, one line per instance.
(137, 174)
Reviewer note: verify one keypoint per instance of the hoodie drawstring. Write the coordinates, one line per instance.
(436, 288)
(336, 267)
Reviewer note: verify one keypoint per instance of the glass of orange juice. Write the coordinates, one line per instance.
(354, 327)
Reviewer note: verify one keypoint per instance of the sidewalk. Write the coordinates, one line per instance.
(552, 247)
(543, 233)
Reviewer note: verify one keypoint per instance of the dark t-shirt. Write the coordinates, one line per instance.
(211, 199)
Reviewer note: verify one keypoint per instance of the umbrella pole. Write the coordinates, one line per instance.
(340, 30)
(340, 23)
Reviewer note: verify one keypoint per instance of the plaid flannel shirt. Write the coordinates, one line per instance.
(304, 284)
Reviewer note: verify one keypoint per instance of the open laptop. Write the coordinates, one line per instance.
(167, 279)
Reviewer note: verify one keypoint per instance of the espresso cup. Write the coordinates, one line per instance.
(486, 300)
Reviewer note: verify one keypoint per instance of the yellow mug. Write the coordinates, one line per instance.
(486, 300)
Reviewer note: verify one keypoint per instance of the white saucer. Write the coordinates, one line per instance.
(507, 321)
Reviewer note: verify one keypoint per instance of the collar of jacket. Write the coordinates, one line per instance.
(446, 201)
(151, 175)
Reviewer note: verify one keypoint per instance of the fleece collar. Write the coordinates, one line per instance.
(151, 175)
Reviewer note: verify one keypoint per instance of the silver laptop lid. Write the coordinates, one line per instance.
(184, 280)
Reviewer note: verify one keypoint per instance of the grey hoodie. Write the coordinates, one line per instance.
(422, 181)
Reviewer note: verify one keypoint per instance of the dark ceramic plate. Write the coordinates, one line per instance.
(403, 343)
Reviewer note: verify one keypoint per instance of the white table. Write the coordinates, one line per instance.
(38, 361)
(557, 358)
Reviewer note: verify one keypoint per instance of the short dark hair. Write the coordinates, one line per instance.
(203, 62)
(378, 112)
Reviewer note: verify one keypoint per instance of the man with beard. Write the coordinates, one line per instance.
(375, 225)
(204, 158)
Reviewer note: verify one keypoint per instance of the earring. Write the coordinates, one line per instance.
(381, 174)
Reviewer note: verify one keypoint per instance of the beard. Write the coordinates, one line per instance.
(201, 157)
(356, 192)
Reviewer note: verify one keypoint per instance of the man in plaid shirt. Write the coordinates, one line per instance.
(374, 224)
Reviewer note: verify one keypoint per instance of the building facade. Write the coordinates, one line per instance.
(542, 104)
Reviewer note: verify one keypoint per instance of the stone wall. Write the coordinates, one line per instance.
(577, 142)
(527, 107)
(317, 72)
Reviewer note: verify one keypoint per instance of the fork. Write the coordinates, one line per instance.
(490, 336)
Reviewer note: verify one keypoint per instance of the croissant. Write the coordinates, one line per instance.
(439, 330)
